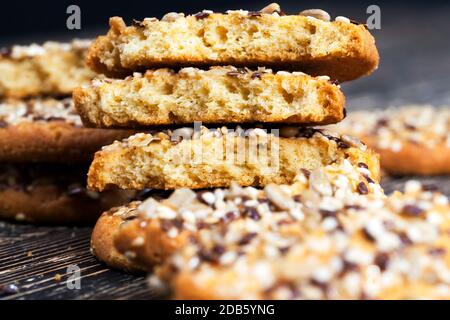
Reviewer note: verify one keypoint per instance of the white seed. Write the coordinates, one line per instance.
(172, 16)
(271, 8)
(185, 133)
(342, 19)
(316, 13)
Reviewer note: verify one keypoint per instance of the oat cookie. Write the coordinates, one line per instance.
(216, 157)
(347, 246)
(217, 95)
(412, 139)
(52, 194)
(103, 236)
(51, 69)
(342, 49)
(48, 130)
(164, 226)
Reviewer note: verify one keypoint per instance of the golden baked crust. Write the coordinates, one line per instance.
(384, 248)
(340, 49)
(411, 139)
(218, 95)
(52, 194)
(164, 226)
(216, 157)
(48, 130)
(50, 69)
(103, 235)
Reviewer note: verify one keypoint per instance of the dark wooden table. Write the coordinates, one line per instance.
(415, 67)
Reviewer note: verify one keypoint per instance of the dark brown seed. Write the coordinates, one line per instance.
(345, 113)
(52, 118)
(348, 266)
(336, 83)
(247, 238)
(306, 172)
(307, 132)
(369, 180)
(284, 250)
(405, 239)
(229, 216)
(218, 250)
(382, 122)
(429, 187)
(381, 260)
(177, 223)
(166, 225)
(321, 285)
(353, 207)
(410, 127)
(201, 225)
(363, 165)
(328, 213)
(412, 210)
(3, 124)
(256, 74)
(252, 14)
(362, 188)
(252, 213)
(368, 235)
(201, 15)
(343, 145)
(437, 252)
(297, 198)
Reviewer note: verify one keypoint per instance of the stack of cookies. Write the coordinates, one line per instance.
(284, 210)
(44, 150)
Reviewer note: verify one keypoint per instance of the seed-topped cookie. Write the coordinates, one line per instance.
(411, 139)
(52, 194)
(341, 245)
(147, 232)
(206, 158)
(49, 130)
(51, 69)
(217, 95)
(307, 42)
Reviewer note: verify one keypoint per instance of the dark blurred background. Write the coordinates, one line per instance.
(414, 40)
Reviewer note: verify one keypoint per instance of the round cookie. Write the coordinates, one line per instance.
(48, 130)
(267, 96)
(208, 158)
(166, 225)
(51, 69)
(342, 49)
(105, 230)
(383, 248)
(102, 239)
(412, 139)
(52, 194)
